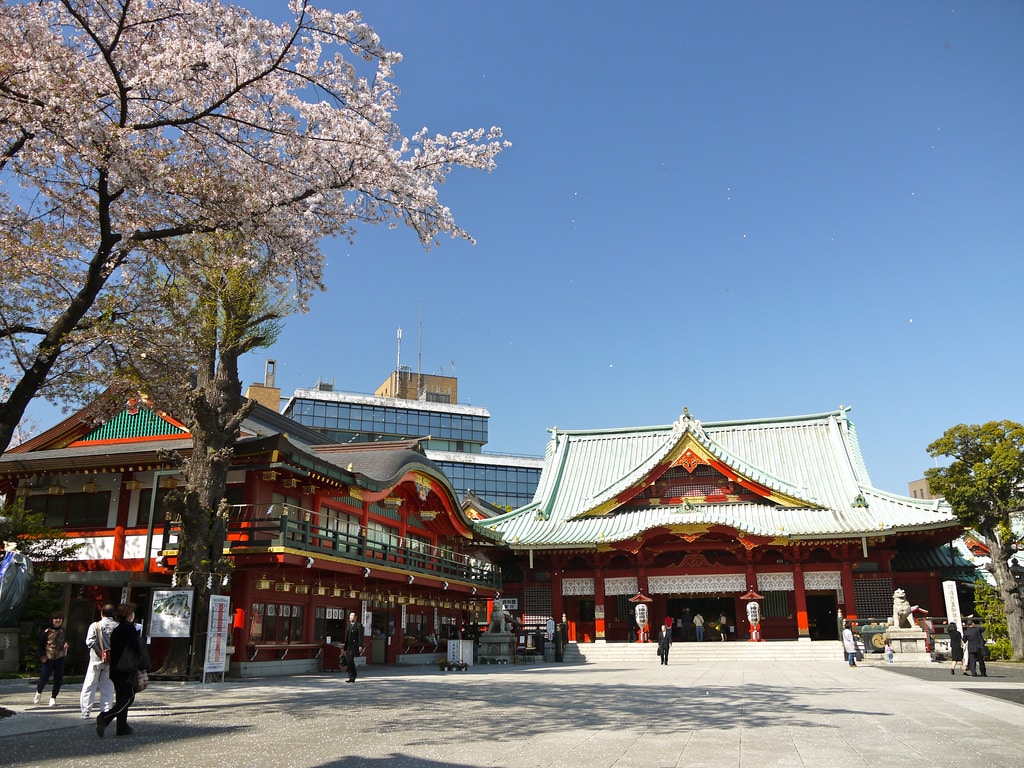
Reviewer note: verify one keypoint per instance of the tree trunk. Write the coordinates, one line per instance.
(214, 420)
(1009, 591)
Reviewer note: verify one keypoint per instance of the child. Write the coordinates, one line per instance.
(888, 652)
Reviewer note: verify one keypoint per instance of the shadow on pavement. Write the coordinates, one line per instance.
(994, 685)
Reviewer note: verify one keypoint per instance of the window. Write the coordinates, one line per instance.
(276, 623)
(72, 510)
(158, 511)
(623, 608)
(449, 629)
(776, 604)
(586, 610)
(416, 627)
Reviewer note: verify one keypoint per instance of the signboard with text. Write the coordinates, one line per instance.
(217, 632)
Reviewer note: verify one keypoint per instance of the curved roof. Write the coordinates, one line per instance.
(807, 471)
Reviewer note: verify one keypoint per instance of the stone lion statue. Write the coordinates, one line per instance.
(902, 611)
(501, 620)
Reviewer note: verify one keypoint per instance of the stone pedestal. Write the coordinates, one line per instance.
(9, 651)
(498, 647)
(906, 639)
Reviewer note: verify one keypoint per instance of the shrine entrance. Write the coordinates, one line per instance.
(822, 616)
(710, 607)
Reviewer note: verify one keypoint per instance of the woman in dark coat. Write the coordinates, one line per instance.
(956, 649)
(124, 639)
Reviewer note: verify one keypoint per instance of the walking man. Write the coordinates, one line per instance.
(353, 645)
(97, 673)
(975, 643)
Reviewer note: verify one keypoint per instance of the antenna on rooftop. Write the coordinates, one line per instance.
(398, 365)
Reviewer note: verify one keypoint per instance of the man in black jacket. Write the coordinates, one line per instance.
(353, 645)
(975, 642)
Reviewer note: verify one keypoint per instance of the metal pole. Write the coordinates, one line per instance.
(157, 474)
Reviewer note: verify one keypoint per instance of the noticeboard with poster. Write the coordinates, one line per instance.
(171, 614)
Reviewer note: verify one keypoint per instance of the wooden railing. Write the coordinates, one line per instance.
(281, 525)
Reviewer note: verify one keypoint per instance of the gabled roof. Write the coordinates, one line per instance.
(802, 477)
(136, 422)
(480, 509)
(134, 438)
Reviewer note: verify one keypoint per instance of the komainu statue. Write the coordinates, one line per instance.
(902, 611)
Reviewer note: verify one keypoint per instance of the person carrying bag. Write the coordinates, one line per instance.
(97, 675)
(129, 665)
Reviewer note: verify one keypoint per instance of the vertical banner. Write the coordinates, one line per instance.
(952, 600)
(217, 628)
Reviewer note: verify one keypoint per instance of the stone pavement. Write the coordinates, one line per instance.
(567, 716)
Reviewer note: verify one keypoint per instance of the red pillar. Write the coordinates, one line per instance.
(846, 581)
(803, 627)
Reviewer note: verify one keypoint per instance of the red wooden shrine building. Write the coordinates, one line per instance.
(696, 516)
(315, 531)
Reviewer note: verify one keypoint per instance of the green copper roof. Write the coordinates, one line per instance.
(811, 465)
(126, 425)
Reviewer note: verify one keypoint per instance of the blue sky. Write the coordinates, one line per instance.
(748, 209)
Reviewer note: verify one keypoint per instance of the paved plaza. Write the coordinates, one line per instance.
(567, 716)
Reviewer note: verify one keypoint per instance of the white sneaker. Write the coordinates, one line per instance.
(53, 702)
(86, 716)
(35, 699)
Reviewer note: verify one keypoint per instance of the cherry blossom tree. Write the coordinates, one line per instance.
(126, 125)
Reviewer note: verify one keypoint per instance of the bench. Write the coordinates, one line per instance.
(423, 648)
(282, 649)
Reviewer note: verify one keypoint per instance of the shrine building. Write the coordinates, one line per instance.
(698, 518)
(314, 530)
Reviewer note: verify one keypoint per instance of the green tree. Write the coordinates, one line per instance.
(984, 484)
(220, 305)
(46, 548)
(989, 608)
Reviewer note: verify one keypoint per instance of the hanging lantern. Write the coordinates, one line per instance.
(262, 582)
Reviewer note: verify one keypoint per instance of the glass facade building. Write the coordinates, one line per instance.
(452, 435)
(365, 422)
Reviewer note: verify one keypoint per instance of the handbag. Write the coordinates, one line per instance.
(141, 680)
(129, 660)
(104, 651)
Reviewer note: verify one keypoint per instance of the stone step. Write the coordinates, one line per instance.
(710, 652)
